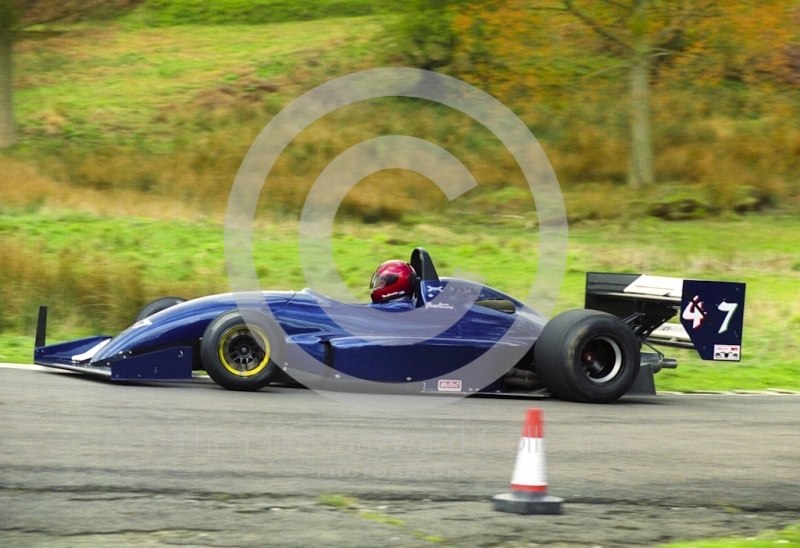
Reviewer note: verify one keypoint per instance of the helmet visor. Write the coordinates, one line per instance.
(379, 282)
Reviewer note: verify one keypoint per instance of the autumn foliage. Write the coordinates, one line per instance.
(534, 45)
(723, 77)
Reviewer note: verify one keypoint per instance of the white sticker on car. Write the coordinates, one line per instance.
(449, 386)
(726, 352)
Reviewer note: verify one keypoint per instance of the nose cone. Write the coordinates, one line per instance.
(182, 324)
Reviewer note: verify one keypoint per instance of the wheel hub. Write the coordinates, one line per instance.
(241, 353)
(601, 359)
(244, 351)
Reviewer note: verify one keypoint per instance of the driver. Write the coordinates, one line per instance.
(392, 286)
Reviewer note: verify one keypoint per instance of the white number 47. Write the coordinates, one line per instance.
(694, 312)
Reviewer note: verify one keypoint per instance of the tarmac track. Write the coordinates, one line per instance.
(91, 463)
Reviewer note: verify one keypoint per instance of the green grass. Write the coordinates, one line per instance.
(15, 348)
(372, 516)
(789, 537)
(350, 506)
(252, 12)
(154, 88)
(154, 258)
(337, 501)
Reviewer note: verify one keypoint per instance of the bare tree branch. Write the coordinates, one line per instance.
(680, 23)
(662, 52)
(628, 9)
(25, 34)
(548, 8)
(607, 69)
(595, 26)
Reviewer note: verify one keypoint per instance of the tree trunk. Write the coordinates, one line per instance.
(641, 168)
(7, 132)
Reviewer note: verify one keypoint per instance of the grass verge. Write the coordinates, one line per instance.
(788, 537)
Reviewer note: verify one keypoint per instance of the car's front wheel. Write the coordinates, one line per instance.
(239, 349)
(587, 356)
(157, 306)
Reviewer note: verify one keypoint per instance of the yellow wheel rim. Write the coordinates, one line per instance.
(244, 351)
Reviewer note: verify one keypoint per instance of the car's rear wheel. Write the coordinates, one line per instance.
(157, 306)
(587, 356)
(239, 350)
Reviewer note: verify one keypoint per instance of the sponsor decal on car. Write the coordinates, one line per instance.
(449, 385)
(439, 305)
(727, 352)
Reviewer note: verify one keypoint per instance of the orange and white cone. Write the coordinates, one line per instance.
(529, 481)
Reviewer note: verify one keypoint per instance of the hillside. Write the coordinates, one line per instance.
(161, 102)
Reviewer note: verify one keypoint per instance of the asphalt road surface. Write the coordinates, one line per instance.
(90, 463)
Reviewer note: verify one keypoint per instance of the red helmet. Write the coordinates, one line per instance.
(392, 280)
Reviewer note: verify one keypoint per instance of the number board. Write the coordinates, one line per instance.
(713, 315)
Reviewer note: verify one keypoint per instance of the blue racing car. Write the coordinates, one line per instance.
(421, 333)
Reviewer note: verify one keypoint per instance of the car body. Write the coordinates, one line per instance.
(463, 338)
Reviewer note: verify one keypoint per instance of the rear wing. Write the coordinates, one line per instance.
(711, 313)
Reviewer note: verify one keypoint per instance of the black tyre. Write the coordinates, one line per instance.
(157, 306)
(587, 356)
(239, 354)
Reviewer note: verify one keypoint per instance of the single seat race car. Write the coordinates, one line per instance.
(460, 337)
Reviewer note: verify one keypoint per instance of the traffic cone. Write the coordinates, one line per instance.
(528, 482)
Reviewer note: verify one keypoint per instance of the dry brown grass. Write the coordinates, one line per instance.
(728, 165)
(84, 291)
(24, 186)
(105, 293)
